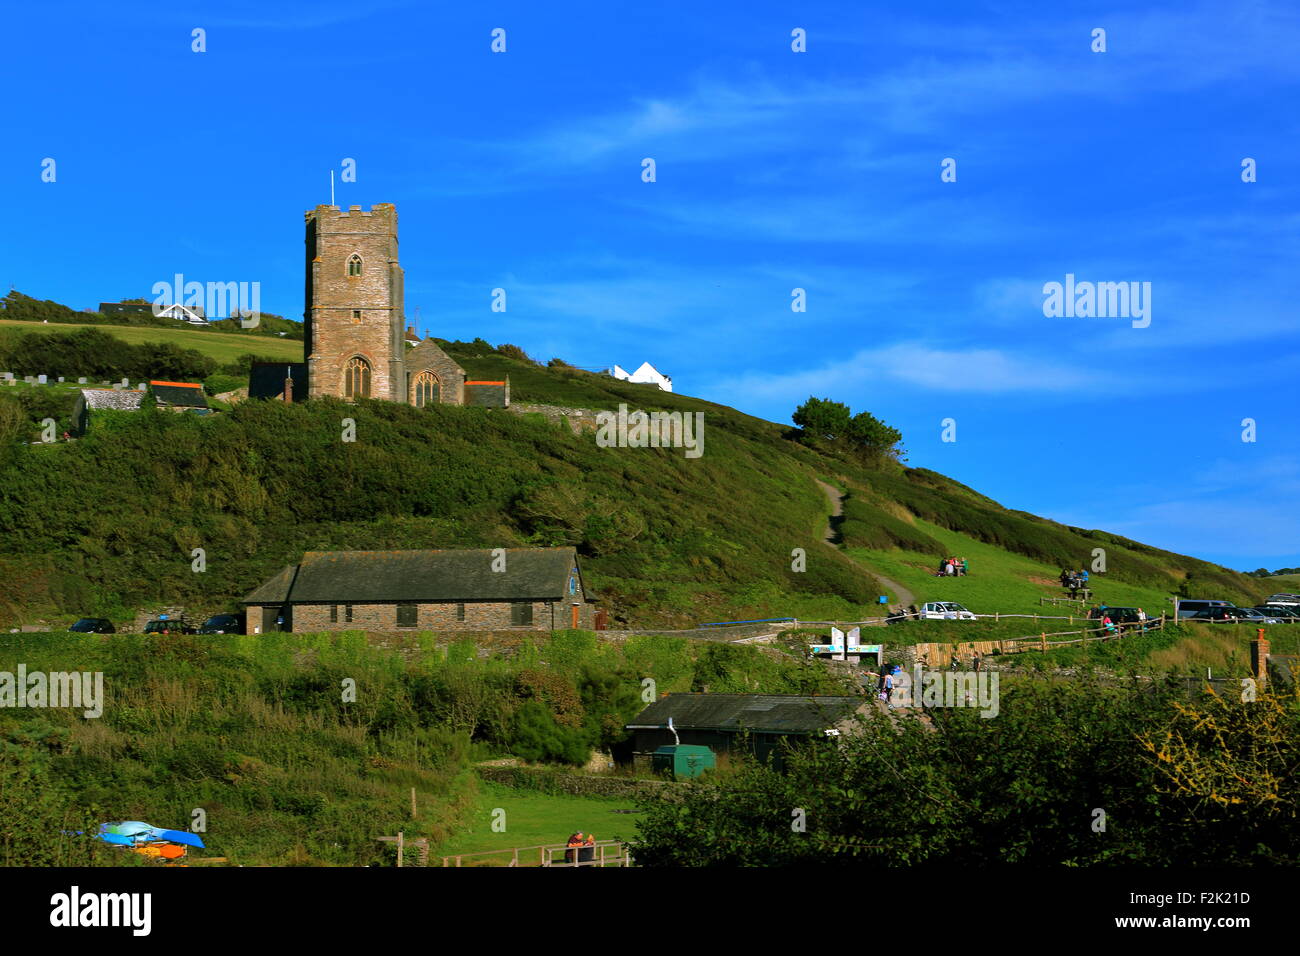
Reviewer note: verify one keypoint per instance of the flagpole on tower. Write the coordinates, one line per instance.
(331, 187)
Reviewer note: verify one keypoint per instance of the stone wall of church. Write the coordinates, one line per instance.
(350, 316)
(451, 377)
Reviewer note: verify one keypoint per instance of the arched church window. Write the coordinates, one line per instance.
(354, 265)
(427, 389)
(356, 383)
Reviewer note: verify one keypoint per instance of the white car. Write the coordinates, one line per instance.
(945, 611)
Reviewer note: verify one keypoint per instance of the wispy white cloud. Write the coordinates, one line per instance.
(923, 367)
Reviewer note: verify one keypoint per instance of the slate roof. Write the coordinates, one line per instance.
(119, 399)
(266, 379)
(359, 577)
(183, 394)
(771, 713)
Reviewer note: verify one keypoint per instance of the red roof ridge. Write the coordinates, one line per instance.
(179, 384)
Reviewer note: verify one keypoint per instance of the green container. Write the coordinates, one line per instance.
(681, 761)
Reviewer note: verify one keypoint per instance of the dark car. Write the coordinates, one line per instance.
(223, 624)
(1223, 614)
(1283, 612)
(94, 625)
(168, 626)
(1120, 615)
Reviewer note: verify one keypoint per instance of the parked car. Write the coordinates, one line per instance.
(1256, 616)
(94, 625)
(1286, 613)
(223, 624)
(168, 626)
(945, 611)
(1228, 613)
(1292, 600)
(1188, 609)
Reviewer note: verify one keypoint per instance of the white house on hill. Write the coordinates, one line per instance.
(646, 374)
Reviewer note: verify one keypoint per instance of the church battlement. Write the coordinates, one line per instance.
(324, 212)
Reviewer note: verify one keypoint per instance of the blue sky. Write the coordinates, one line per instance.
(775, 170)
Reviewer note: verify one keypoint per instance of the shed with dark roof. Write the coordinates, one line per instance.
(182, 396)
(757, 723)
(442, 590)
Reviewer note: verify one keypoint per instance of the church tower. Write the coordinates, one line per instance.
(353, 322)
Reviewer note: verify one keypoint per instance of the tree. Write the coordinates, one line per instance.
(828, 423)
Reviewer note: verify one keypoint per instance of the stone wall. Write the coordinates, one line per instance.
(578, 419)
(333, 336)
(450, 376)
(441, 616)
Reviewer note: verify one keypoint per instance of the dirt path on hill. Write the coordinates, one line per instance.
(836, 499)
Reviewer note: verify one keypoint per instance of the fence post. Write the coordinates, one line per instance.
(400, 843)
(1042, 641)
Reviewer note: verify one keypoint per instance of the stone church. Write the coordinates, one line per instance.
(356, 340)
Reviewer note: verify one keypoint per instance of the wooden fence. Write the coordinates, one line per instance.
(943, 652)
(602, 853)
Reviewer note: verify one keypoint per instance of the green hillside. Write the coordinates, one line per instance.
(254, 731)
(106, 524)
(224, 347)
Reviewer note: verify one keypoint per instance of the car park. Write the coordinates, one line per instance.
(1287, 600)
(93, 625)
(945, 611)
(223, 624)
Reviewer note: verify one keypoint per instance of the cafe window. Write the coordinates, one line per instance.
(521, 614)
(407, 615)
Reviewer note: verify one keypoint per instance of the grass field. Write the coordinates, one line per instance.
(533, 818)
(224, 347)
(998, 581)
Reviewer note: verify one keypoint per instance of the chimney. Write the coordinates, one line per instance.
(288, 387)
(1259, 658)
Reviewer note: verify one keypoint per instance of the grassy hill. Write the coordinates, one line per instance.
(223, 347)
(106, 524)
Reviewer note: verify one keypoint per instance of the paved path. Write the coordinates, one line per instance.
(836, 499)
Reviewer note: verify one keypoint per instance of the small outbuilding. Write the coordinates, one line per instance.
(179, 396)
(756, 723)
(91, 400)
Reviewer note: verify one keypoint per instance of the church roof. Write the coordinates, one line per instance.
(346, 577)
